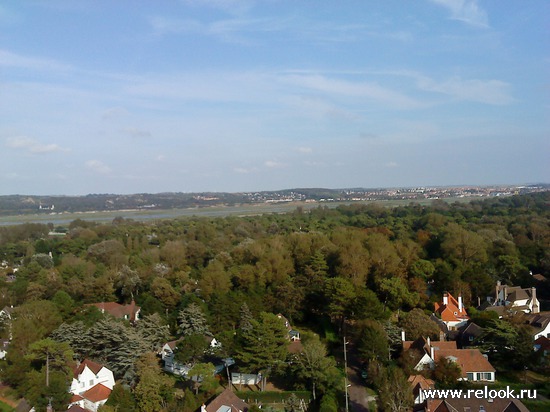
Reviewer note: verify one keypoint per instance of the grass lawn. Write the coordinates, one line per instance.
(4, 407)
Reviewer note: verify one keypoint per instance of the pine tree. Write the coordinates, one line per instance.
(246, 318)
(192, 320)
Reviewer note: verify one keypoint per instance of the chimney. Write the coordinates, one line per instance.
(460, 305)
(429, 341)
(445, 299)
(403, 335)
(441, 335)
(534, 302)
(432, 353)
(497, 290)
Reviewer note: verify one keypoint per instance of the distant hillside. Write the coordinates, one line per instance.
(29, 204)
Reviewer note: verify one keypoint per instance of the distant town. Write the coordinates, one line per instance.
(29, 204)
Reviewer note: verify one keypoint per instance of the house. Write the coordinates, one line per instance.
(540, 324)
(451, 311)
(473, 364)
(475, 405)
(542, 344)
(517, 298)
(226, 401)
(91, 386)
(129, 312)
(468, 334)
(293, 334)
(418, 385)
(4, 348)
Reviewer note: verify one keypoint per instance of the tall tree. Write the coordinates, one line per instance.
(192, 320)
(316, 368)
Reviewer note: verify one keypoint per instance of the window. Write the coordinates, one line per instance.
(91, 382)
(470, 376)
(471, 338)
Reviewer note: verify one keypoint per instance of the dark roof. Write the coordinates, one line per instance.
(94, 367)
(229, 399)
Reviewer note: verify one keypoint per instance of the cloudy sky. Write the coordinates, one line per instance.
(240, 95)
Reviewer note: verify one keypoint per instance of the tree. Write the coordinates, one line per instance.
(153, 331)
(339, 294)
(447, 372)
(192, 321)
(264, 346)
(315, 367)
(396, 293)
(394, 390)
(154, 389)
(372, 341)
(203, 374)
(245, 318)
(51, 354)
(417, 324)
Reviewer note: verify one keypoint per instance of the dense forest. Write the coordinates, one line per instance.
(362, 270)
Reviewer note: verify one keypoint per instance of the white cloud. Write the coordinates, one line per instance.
(243, 170)
(272, 164)
(352, 89)
(32, 145)
(9, 59)
(98, 166)
(304, 149)
(391, 164)
(135, 132)
(494, 92)
(114, 113)
(467, 11)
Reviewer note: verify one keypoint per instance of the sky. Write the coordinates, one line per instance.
(247, 95)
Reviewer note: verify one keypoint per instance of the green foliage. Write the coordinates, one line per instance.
(192, 321)
(265, 345)
(417, 324)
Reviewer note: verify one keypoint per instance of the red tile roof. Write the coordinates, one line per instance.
(450, 312)
(97, 393)
(117, 310)
(77, 408)
(469, 360)
(227, 398)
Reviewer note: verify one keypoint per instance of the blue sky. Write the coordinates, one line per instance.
(243, 95)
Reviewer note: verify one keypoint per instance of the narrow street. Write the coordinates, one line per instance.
(358, 397)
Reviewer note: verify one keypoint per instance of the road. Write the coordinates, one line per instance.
(358, 397)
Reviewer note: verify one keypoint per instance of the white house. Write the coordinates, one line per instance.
(473, 365)
(91, 386)
(517, 298)
(540, 324)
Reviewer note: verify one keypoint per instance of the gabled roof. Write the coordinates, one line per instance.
(450, 312)
(229, 400)
(94, 367)
(77, 408)
(117, 310)
(422, 344)
(97, 393)
(469, 360)
(419, 381)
